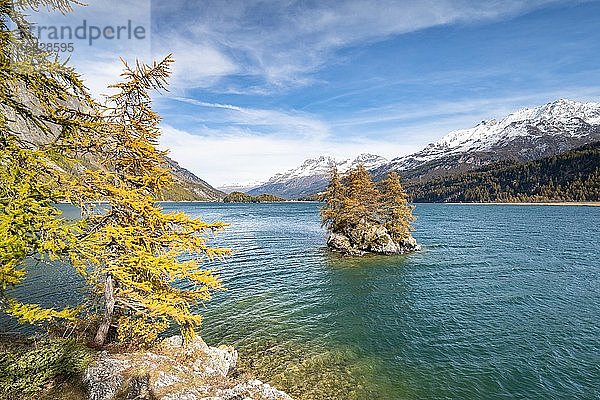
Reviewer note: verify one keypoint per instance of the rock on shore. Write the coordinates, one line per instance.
(174, 372)
(369, 238)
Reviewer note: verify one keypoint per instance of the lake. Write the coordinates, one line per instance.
(502, 302)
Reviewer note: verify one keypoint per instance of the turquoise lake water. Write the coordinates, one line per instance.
(503, 302)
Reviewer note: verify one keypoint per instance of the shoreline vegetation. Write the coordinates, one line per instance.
(572, 176)
(544, 203)
(541, 203)
(46, 368)
(141, 267)
(239, 197)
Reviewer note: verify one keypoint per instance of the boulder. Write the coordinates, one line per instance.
(369, 238)
(174, 371)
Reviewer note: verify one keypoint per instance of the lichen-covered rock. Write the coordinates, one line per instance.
(369, 238)
(174, 372)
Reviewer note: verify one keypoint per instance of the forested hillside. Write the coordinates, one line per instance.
(570, 176)
(239, 197)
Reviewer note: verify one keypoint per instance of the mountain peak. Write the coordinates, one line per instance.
(528, 133)
(561, 113)
(368, 157)
(313, 174)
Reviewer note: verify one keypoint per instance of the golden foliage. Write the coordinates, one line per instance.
(139, 331)
(153, 257)
(357, 200)
(150, 255)
(394, 208)
(38, 131)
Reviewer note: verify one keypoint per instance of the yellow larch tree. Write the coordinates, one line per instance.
(395, 209)
(355, 204)
(147, 261)
(46, 117)
(334, 196)
(362, 198)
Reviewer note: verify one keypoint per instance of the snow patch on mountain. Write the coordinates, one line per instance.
(322, 166)
(559, 118)
(240, 187)
(313, 175)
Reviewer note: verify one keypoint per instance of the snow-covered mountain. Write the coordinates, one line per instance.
(312, 176)
(527, 134)
(524, 135)
(240, 187)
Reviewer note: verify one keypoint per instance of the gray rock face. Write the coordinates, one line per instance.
(369, 238)
(174, 372)
(187, 186)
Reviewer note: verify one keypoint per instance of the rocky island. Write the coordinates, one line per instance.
(363, 217)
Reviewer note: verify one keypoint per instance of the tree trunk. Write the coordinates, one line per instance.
(109, 300)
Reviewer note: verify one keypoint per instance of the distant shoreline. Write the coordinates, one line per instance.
(558, 203)
(547, 203)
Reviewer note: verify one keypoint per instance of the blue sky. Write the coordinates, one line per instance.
(259, 86)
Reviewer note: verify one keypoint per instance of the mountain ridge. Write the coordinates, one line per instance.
(571, 176)
(189, 187)
(186, 185)
(521, 136)
(524, 135)
(312, 175)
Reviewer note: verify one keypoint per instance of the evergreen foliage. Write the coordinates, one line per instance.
(356, 200)
(28, 368)
(267, 198)
(239, 197)
(570, 176)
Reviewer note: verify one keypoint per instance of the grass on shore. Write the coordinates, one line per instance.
(42, 369)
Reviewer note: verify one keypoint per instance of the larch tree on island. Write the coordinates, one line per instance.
(396, 211)
(362, 217)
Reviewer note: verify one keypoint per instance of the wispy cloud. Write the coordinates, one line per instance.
(407, 114)
(276, 44)
(99, 63)
(284, 42)
(277, 122)
(261, 85)
(240, 152)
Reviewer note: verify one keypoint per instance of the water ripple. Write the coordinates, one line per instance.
(503, 302)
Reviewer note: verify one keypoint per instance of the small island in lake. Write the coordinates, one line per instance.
(239, 197)
(363, 217)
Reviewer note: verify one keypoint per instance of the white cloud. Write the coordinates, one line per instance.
(276, 122)
(99, 63)
(238, 156)
(281, 44)
(284, 42)
(409, 114)
(197, 65)
(239, 153)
